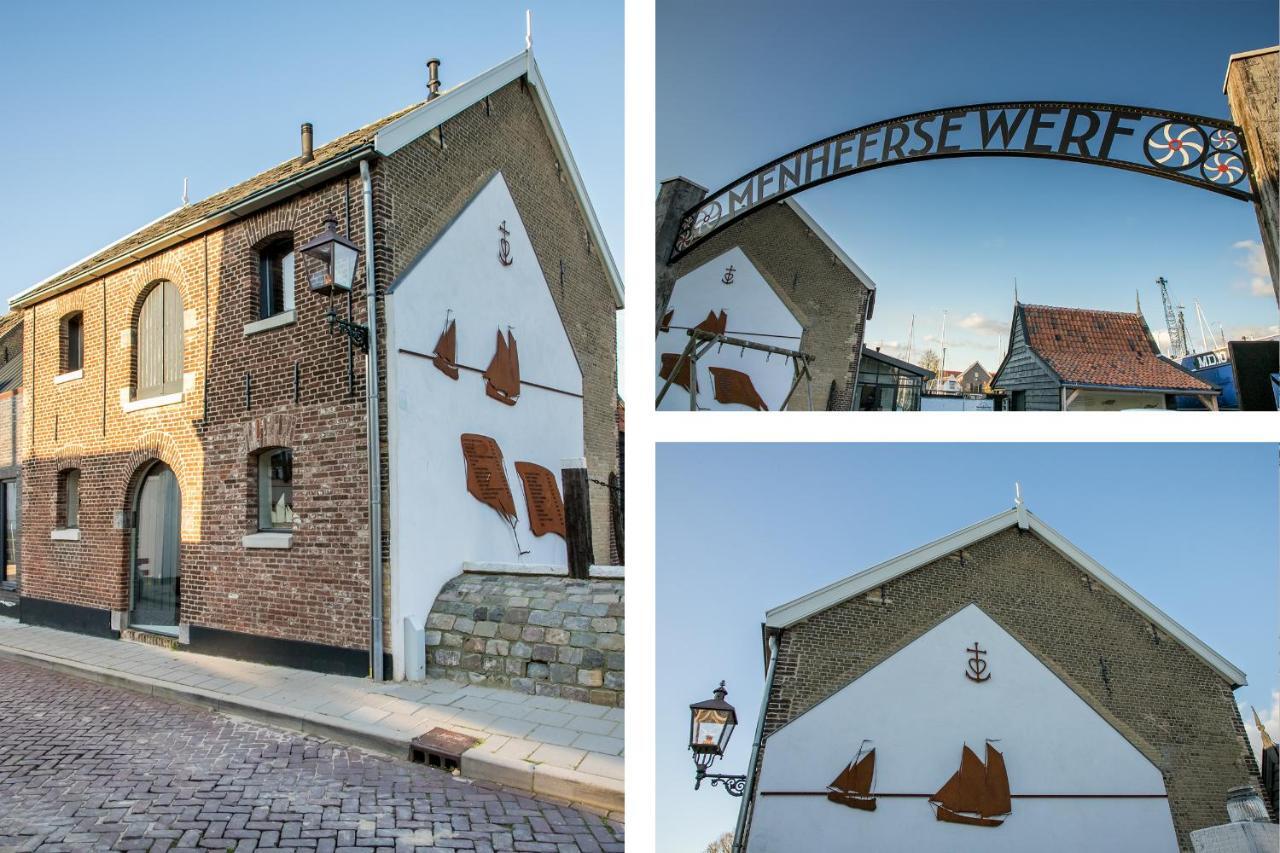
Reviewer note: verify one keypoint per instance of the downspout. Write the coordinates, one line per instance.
(374, 431)
(748, 796)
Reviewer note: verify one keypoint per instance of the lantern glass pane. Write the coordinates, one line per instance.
(708, 727)
(344, 265)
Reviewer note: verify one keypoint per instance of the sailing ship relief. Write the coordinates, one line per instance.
(976, 794)
(446, 355)
(852, 787)
(502, 376)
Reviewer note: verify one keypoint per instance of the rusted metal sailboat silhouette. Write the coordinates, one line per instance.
(976, 794)
(852, 787)
(446, 356)
(502, 376)
(713, 324)
(734, 386)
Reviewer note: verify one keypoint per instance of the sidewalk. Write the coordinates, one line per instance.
(551, 747)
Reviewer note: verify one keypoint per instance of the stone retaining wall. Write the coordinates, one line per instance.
(549, 636)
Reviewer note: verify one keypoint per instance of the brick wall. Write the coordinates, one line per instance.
(548, 636)
(317, 590)
(1176, 710)
(805, 274)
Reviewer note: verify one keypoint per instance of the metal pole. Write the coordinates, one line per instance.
(739, 842)
(374, 432)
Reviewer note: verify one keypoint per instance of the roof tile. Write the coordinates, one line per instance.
(1114, 348)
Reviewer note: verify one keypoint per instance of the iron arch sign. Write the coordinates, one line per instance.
(1204, 152)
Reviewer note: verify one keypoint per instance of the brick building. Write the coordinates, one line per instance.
(1109, 725)
(196, 438)
(789, 284)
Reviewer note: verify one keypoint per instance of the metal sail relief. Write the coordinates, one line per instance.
(486, 475)
(502, 376)
(852, 787)
(681, 378)
(734, 386)
(975, 795)
(713, 324)
(665, 325)
(446, 356)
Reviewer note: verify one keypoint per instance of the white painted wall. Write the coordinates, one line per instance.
(918, 709)
(755, 312)
(436, 524)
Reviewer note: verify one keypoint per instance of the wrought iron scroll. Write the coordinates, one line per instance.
(1197, 150)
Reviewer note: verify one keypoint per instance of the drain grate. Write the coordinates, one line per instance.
(440, 748)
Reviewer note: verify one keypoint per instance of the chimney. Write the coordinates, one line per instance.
(433, 79)
(307, 156)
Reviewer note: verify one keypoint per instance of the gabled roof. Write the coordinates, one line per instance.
(1113, 349)
(381, 137)
(815, 602)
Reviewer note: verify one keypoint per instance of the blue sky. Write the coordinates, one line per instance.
(743, 81)
(745, 527)
(107, 106)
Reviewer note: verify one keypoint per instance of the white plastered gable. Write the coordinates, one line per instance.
(918, 708)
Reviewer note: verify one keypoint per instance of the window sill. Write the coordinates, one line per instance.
(268, 539)
(65, 534)
(70, 376)
(131, 405)
(275, 321)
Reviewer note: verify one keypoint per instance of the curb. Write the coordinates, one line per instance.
(598, 793)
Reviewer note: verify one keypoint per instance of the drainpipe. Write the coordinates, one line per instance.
(375, 440)
(739, 841)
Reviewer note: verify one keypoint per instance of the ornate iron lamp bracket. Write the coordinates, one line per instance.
(733, 785)
(359, 334)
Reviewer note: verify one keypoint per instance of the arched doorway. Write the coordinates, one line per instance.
(154, 566)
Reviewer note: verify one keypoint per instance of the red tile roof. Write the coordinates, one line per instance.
(1111, 348)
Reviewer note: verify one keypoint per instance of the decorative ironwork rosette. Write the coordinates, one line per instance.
(1175, 145)
(1223, 139)
(1223, 168)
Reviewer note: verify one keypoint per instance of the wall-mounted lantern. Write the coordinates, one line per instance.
(711, 724)
(337, 256)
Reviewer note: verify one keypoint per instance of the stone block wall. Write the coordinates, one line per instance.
(543, 635)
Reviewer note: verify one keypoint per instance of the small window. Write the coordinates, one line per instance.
(275, 489)
(69, 499)
(275, 278)
(72, 343)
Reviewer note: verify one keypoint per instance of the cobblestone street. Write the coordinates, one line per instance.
(84, 766)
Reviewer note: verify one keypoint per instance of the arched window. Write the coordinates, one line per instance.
(159, 348)
(71, 340)
(275, 278)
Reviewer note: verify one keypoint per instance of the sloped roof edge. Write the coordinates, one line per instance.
(830, 243)
(431, 114)
(815, 602)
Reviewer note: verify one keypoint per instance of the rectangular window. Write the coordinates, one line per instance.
(275, 490)
(275, 278)
(71, 496)
(75, 343)
(9, 530)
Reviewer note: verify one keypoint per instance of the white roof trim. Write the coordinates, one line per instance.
(815, 602)
(435, 112)
(830, 243)
(1244, 55)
